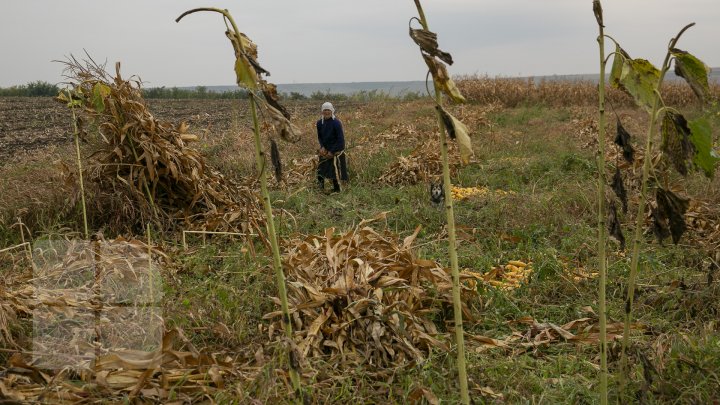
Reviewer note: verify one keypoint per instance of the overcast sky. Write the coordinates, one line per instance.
(310, 41)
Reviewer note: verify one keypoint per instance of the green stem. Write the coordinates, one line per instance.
(602, 226)
(457, 303)
(80, 172)
(277, 264)
(640, 217)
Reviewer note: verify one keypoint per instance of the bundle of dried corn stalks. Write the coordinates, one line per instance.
(421, 165)
(362, 298)
(300, 171)
(149, 163)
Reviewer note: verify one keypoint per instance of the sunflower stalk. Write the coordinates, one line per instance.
(640, 217)
(602, 226)
(457, 303)
(248, 77)
(261, 163)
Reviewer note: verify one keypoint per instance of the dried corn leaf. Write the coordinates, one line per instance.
(419, 394)
(116, 375)
(583, 331)
(101, 277)
(421, 165)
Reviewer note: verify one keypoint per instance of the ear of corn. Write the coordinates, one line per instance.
(506, 278)
(461, 193)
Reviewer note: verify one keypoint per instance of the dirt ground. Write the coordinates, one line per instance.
(28, 124)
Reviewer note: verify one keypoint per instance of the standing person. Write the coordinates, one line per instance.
(332, 149)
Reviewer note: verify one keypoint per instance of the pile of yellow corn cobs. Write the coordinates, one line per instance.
(507, 277)
(461, 193)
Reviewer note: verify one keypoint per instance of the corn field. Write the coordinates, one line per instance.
(513, 92)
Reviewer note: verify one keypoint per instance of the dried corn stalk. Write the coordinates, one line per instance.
(150, 163)
(160, 376)
(421, 165)
(362, 298)
(106, 283)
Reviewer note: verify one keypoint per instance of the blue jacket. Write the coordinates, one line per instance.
(330, 134)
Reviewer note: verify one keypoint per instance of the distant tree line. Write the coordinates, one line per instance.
(199, 92)
(44, 89)
(33, 89)
(362, 95)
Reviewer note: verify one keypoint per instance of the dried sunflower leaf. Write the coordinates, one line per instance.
(442, 79)
(271, 96)
(694, 71)
(284, 128)
(614, 228)
(245, 74)
(447, 121)
(458, 131)
(622, 139)
(245, 71)
(670, 214)
(427, 41)
(618, 187)
(617, 66)
(275, 158)
(676, 142)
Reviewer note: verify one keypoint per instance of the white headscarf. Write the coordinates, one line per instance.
(327, 106)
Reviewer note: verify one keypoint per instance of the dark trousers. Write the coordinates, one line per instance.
(330, 168)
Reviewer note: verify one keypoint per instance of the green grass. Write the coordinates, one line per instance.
(551, 217)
